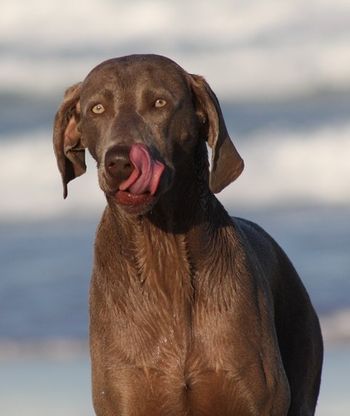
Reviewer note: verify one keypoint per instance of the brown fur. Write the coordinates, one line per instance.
(192, 312)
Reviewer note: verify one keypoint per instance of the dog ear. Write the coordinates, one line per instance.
(227, 164)
(67, 140)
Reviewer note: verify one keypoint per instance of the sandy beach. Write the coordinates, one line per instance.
(57, 382)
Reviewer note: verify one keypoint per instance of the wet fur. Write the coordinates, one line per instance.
(193, 312)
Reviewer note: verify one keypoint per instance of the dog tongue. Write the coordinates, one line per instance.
(146, 174)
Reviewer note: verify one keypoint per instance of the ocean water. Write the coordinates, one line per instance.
(282, 74)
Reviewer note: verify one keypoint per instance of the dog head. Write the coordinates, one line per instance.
(141, 117)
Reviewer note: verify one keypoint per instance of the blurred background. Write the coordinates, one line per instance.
(281, 70)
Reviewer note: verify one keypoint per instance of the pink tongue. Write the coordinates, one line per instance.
(146, 174)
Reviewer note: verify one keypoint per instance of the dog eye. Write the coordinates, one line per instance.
(160, 103)
(98, 109)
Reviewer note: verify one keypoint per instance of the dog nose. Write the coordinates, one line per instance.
(117, 162)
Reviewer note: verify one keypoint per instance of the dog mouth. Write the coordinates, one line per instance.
(141, 187)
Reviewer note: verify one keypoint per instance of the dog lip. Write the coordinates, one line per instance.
(132, 200)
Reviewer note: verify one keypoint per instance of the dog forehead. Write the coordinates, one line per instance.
(130, 72)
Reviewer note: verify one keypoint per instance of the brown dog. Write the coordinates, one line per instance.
(192, 312)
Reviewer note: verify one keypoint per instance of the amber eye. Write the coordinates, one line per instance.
(98, 109)
(160, 103)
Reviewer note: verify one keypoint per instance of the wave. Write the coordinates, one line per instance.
(283, 168)
(243, 48)
(335, 330)
(61, 349)
(335, 327)
(31, 188)
(286, 167)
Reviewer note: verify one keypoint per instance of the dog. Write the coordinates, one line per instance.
(191, 312)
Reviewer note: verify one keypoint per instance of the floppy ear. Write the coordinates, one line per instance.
(227, 164)
(69, 151)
